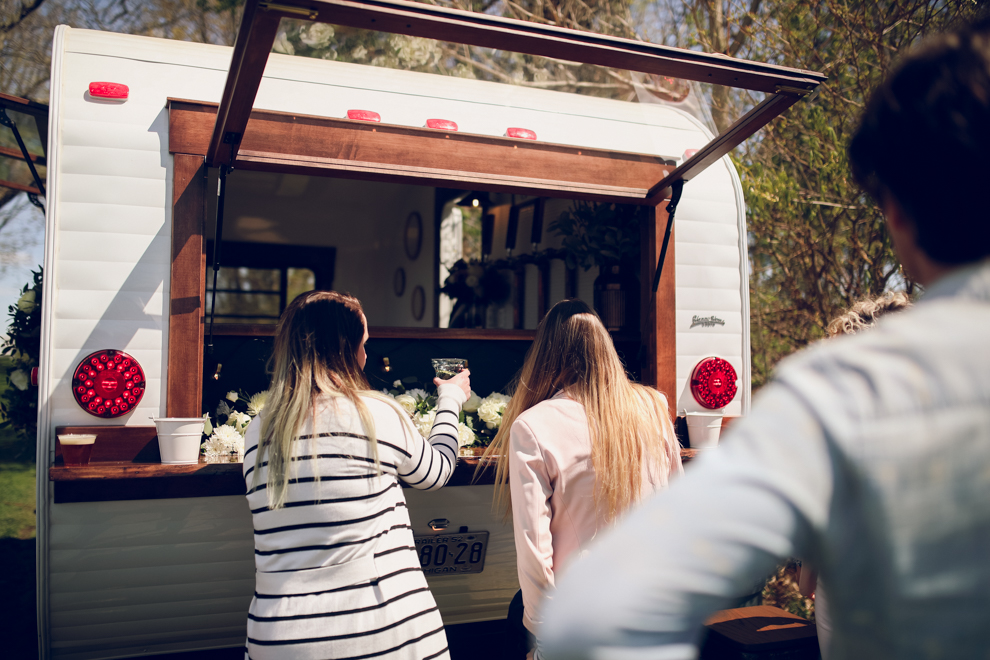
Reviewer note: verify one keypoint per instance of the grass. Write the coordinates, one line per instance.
(17, 503)
(17, 481)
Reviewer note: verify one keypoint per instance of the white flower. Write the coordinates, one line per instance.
(19, 379)
(397, 384)
(223, 409)
(317, 36)
(207, 426)
(282, 44)
(239, 421)
(232, 396)
(424, 422)
(257, 403)
(471, 405)
(407, 402)
(26, 303)
(228, 437)
(215, 449)
(359, 53)
(491, 409)
(465, 436)
(417, 393)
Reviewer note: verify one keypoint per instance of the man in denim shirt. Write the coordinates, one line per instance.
(868, 455)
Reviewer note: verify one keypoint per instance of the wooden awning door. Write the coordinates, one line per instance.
(301, 144)
(356, 152)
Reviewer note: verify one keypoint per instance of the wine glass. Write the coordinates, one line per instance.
(449, 367)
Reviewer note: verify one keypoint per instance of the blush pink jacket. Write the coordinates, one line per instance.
(552, 482)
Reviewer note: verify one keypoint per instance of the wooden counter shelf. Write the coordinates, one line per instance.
(126, 465)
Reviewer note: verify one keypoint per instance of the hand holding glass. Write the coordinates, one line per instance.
(453, 371)
(447, 368)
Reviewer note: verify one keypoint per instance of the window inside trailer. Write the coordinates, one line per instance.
(258, 295)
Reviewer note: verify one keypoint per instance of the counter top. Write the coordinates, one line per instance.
(119, 480)
(126, 466)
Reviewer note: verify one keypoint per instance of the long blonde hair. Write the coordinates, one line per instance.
(629, 424)
(315, 353)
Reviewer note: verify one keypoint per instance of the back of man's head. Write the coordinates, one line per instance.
(925, 141)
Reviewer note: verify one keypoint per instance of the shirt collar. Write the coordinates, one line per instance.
(971, 282)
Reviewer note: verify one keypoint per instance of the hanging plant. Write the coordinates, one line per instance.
(599, 234)
(19, 403)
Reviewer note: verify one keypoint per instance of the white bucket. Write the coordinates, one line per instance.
(704, 429)
(179, 438)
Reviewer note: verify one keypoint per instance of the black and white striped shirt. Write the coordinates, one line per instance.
(337, 571)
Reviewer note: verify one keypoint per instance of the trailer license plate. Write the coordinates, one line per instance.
(452, 554)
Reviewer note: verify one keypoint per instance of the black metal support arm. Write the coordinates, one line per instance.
(675, 196)
(217, 240)
(9, 123)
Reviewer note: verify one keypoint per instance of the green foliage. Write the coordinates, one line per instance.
(781, 590)
(397, 51)
(598, 234)
(817, 244)
(19, 402)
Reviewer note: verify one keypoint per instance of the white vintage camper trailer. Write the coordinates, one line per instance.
(139, 558)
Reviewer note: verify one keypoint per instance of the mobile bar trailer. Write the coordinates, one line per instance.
(136, 557)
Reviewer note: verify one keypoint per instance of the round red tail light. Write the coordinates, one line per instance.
(107, 377)
(713, 382)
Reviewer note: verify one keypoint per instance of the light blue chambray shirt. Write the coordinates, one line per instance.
(869, 455)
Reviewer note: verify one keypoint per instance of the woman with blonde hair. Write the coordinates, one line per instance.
(579, 444)
(337, 574)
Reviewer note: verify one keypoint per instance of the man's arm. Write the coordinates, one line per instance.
(646, 588)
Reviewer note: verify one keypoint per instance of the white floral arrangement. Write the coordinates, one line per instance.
(225, 441)
(479, 419)
(491, 408)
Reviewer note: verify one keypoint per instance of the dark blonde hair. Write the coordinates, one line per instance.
(865, 313)
(629, 424)
(315, 353)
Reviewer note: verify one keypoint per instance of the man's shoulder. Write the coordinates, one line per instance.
(932, 355)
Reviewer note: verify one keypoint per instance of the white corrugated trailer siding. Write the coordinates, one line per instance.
(119, 579)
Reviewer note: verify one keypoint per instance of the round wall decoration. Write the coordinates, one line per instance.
(418, 303)
(108, 383)
(713, 382)
(413, 237)
(399, 281)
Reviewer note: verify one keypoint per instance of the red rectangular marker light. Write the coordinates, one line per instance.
(441, 124)
(523, 133)
(364, 115)
(108, 90)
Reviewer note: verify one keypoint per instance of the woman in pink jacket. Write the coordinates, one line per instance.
(579, 444)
